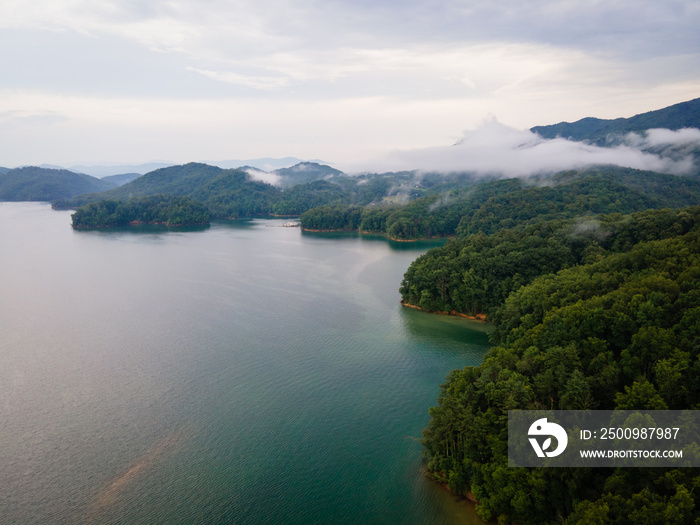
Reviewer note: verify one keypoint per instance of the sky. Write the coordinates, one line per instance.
(354, 83)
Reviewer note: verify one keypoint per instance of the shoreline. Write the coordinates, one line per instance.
(383, 234)
(478, 317)
(322, 231)
(141, 223)
(467, 501)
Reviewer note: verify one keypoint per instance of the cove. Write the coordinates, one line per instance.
(241, 373)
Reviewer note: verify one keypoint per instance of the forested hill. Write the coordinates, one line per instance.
(157, 209)
(492, 205)
(226, 192)
(476, 274)
(304, 172)
(617, 328)
(233, 193)
(173, 180)
(41, 184)
(599, 131)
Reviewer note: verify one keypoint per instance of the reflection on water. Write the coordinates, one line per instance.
(143, 229)
(420, 245)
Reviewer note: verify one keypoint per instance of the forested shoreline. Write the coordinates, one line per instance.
(489, 206)
(158, 209)
(600, 313)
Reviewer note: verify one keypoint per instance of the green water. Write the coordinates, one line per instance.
(244, 373)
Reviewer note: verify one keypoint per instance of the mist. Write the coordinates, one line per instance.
(664, 137)
(496, 149)
(263, 176)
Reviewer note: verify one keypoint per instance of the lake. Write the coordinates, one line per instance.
(243, 373)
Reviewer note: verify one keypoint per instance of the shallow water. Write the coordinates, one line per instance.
(243, 373)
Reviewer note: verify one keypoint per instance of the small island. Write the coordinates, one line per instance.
(155, 209)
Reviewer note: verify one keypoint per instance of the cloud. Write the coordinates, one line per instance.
(265, 83)
(590, 228)
(663, 137)
(264, 176)
(236, 28)
(337, 80)
(443, 201)
(496, 149)
(39, 118)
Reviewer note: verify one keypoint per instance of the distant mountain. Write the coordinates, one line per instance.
(121, 179)
(306, 172)
(4, 170)
(266, 164)
(102, 171)
(636, 132)
(604, 132)
(41, 184)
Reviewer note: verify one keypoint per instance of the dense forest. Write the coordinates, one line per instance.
(157, 209)
(305, 172)
(475, 274)
(492, 205)
(595, 314)
(232, 193)
(42, 184)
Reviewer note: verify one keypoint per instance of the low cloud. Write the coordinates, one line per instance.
(263, 176)
(590, 228)
(496, 149)
(663, 137)
(443, 201)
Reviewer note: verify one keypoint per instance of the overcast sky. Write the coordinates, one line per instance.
(344, 81)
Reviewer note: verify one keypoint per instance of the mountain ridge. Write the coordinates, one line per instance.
(33, 183)
(602, 131)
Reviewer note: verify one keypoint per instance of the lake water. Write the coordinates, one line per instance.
(244, 373)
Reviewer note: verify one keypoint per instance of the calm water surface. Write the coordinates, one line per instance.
(244, 373)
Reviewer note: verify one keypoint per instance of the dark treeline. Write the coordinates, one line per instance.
(617, 328)
(433, 216)
(476, 273)
(157, 209)
(493, 205)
